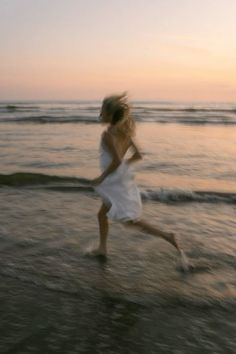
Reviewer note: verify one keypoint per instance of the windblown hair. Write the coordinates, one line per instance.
(118, 107)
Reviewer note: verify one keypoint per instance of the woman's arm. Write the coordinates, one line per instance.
(136, 155)
(108, 140)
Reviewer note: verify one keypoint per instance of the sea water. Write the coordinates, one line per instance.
(139, 300)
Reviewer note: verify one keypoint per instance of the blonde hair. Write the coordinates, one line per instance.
(118, 107)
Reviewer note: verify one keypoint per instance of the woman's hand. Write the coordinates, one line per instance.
(96, 181)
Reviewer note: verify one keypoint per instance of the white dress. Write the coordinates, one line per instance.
(119, 190)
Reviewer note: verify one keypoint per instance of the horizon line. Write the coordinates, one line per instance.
(99, 100)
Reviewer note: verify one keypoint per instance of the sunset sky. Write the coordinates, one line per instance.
(83, 49)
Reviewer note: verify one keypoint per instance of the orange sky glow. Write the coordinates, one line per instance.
(67, 49)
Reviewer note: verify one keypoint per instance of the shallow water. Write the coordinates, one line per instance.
(175, 156)
(56, 298)
(138, 301)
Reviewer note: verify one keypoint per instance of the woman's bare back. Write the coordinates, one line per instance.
(122, 143)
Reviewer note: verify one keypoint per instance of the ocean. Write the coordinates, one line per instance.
(54, 297)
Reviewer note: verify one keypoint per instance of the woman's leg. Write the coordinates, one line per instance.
(168, 236)
(143, 226)
(103, 231)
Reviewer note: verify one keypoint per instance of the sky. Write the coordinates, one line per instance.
(181, 50)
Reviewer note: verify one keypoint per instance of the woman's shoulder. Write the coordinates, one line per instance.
(107, 138)
(112, 135)
(106, 134)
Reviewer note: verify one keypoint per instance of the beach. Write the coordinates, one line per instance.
(57, 298)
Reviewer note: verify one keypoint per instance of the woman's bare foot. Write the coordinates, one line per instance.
(99, 252)
(184, 261)
(170, 237)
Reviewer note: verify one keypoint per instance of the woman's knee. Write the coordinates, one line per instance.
(132, 223)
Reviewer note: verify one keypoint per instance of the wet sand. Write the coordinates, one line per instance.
(39, 320)
(55, 298)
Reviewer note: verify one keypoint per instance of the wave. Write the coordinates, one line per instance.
(13, 108)
(79, 184)
(206, 120)
(61, 112)
(183, 196)
(50, 119)
(22, 107)
(187, 109)
(21, 179)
